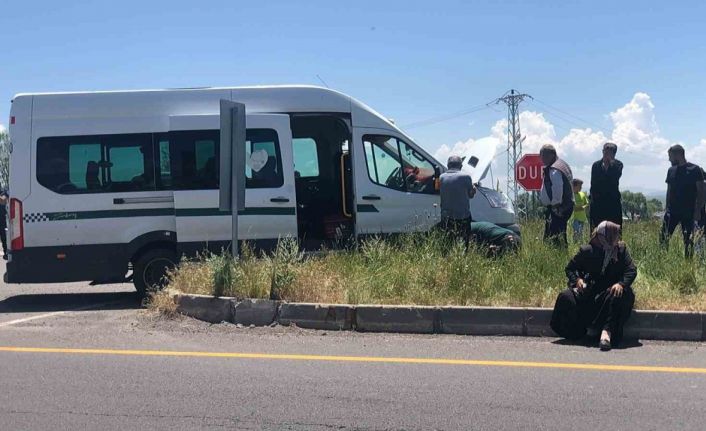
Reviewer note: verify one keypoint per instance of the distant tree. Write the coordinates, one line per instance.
(654, 206)
(636, 205)
(4, 159)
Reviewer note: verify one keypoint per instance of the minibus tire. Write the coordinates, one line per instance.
(150, 270)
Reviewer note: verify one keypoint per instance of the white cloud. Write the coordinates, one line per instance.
(538, 131)
(2, 128)
(698, 153)
(582, 142)
(635, 127)
(459, 148)
(642, 148)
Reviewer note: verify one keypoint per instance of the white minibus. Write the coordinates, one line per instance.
(112, 186)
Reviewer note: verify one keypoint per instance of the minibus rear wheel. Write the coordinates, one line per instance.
(150, 270)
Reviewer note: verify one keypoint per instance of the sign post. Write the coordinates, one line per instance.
(529, 172)
(232, 165)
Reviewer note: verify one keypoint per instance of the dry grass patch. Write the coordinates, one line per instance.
(163, 303)
(425, 269)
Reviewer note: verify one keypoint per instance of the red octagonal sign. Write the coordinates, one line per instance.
(529, 172)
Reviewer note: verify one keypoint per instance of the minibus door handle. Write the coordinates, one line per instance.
(371, 198)
(279, 199)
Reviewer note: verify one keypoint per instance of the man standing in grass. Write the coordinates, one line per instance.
(578, 217)
(3, 221)
(700, 226)
(456, 190)
(686, 194)
(556, 195)
(605, 182)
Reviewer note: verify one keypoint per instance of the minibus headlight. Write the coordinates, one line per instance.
(495, 198)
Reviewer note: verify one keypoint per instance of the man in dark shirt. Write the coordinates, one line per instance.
(685, 196)
(702, 221)
(605, 195)
(3, 222)
(456, 188)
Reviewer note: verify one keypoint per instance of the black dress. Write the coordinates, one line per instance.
(605, 195)
(595, 307)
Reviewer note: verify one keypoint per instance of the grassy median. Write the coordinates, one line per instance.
(424, 269)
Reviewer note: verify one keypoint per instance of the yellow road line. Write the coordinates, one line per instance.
(363, 359)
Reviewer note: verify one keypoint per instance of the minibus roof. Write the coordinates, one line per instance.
(200, 101)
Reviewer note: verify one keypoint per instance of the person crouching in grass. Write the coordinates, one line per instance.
(579, 218)
(496, 240)
(600, 295)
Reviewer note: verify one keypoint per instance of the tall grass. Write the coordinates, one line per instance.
(425, 269)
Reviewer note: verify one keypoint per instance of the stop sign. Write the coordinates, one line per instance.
(529, 172)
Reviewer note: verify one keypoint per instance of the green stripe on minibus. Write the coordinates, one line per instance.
(157, 212)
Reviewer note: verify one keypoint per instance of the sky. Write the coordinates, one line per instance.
(629, 71)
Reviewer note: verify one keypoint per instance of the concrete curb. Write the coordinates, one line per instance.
(508, 321)
(667, 325)
(258, 312)
(330, 317)
(206, 308)
(482, 321)
(385, 318)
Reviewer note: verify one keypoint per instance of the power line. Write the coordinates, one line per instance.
(571, 123)
(439, 119)
(585, 122)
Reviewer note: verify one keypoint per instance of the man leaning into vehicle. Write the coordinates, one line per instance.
(456, 190)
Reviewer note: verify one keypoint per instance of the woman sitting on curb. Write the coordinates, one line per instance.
(600, 295)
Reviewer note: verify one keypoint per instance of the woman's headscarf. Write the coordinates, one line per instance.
(606, 236)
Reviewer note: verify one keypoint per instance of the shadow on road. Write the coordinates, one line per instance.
(70, 301)
(627, 343)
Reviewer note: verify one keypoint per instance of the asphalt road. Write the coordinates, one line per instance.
(91, 358)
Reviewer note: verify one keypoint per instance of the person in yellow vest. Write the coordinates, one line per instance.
(579, 218)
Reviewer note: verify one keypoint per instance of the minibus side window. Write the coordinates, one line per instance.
(96, 164)
(397, 165)
(306, 157)
(382, 157)
(164, 163)
(419, 173)
(263, 162)
(189, 160)
(80, 155)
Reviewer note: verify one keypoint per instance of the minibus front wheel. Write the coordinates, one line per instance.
(151, 268)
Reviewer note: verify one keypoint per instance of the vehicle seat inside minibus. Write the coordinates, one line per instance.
(208, 175)
(92, 180)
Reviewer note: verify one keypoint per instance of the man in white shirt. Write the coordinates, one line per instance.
(556, 195)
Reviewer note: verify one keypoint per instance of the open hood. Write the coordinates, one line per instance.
(478, 157)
